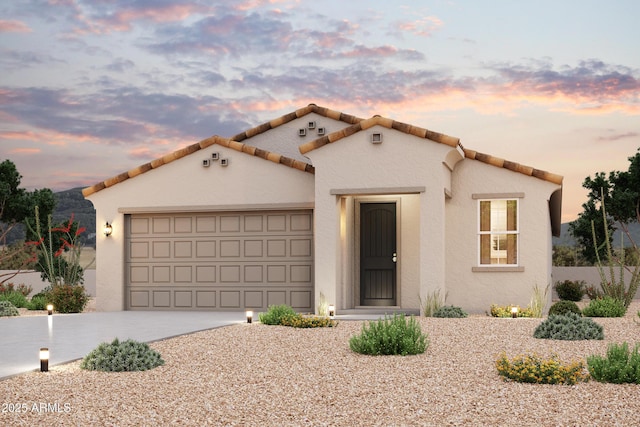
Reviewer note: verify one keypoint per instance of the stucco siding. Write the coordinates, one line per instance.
(475, 291)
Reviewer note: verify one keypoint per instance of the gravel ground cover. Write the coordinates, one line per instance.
(258, 375)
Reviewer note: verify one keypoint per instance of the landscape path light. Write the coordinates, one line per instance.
(44, 359)
(49, 309)
(514, 312)
(249, 314)
(332, 310)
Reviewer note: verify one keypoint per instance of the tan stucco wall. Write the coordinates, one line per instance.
(476, 291)
(401, 161)
(184, 185)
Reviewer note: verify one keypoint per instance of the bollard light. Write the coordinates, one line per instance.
(44, 359)
(49, 309)
(514, 312)
(249, 316)
(332, 310)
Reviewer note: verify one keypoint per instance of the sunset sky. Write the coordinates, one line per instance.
(93, 88)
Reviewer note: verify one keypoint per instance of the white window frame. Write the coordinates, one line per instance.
(515, 232)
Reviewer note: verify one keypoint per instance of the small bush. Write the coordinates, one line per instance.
(531, 368)
(605, 307)
(7, 309)
(570, 290)
(299, 321)
(125, 356)
(569, 326)
(564, 306)
(275, 314)
(620, 366)
(505, 311)
(10, 287)
(432, 303)
(38, 302)
(390, 336)
(69, 298)
(450, 311)
(593, 293)
(16, 298)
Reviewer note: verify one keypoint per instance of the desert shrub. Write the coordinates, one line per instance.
(68, 298)
(122, 356)
(390, 336)
(16, 298)
(538, 300)
(619, 366)
(299, 321)
(570, 290)
(7, 309)
(450, 311)
(432, 303)
(532, 368)
(593, 292)
(605, 307)
(505, 311)
(38, 302)
(569, 326)
(275, 314)
(564, 306)
(10, 287)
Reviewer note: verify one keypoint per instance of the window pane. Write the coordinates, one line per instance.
(512, 215)
(485, 249)
(485, 216)
(512, 249)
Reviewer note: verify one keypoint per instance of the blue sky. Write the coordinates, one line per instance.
(90, 89)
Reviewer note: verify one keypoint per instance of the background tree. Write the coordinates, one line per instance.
(16, 207)
(621, 193)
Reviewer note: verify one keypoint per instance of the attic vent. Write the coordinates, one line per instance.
(322, 131)
(206, 163)
(311, 125)
(302, 132)
(376, 138)
(215, 156)
(224, 162)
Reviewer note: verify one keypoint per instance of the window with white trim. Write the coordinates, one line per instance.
(498, 232)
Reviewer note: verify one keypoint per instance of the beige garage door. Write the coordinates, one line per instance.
(219, 261)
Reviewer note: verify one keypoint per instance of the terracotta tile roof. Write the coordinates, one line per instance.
(356, 125)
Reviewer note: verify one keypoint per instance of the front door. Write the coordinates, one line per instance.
(378, 254)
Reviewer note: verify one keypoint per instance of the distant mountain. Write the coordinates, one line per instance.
(566, 239)
(67, 203)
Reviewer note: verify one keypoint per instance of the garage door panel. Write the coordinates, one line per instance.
(220, 261)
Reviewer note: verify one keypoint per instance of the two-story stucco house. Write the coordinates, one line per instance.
(367, 213)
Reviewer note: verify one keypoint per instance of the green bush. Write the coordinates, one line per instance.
(10, 287)
(68, 298)
(564, 306)
(299, 321)
(531, 368)
(620, 366)
(38, 302)
(605, 307)
(450, 311)
(7, 309)
(570, 290)
(16, 298)
(275, 314)
(569, 326)
(390, 336)
(505, 311)
(122, 356)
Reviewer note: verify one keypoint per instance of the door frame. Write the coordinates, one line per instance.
(357, 243)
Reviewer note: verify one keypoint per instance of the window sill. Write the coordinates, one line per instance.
(495, 269)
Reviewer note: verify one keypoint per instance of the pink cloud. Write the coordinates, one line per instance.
(14, 27)
(25, 151)
(423, 27)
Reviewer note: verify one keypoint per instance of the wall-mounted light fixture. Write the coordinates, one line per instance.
(107, 229)
(514, 312)
(249, 314)
(49, 309)
(44, 359)
(332, 310)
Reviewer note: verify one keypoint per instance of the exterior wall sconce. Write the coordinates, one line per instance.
(332, 311)
(49, 309)
(514, 312)
(44, 359)
(107, 229)
(249, 316)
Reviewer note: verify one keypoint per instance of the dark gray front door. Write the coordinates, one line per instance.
(378, 254)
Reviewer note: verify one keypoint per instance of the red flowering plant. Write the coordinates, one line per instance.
(59, 263)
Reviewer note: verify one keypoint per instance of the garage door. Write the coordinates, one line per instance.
(219, 261)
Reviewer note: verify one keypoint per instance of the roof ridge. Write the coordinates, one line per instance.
(301, 112)
(513, 166)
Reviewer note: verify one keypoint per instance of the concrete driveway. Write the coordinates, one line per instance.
(73, 336)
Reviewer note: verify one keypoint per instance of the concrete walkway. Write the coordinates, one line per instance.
(73, 336)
